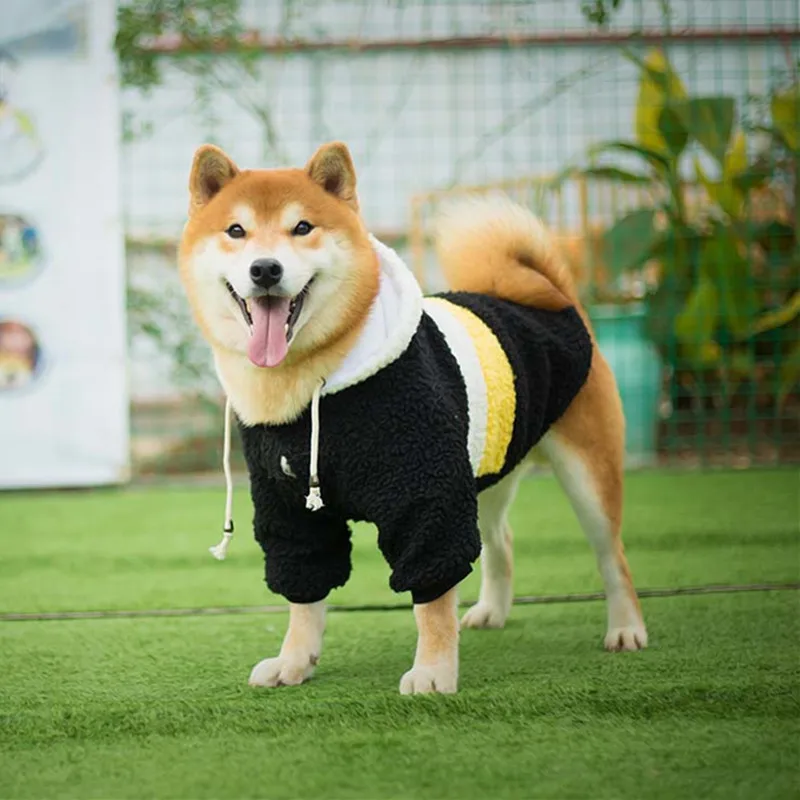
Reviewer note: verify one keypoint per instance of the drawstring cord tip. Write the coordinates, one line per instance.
(219, 551)
(314, 499)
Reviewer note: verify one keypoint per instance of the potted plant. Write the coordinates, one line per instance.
(711, 268)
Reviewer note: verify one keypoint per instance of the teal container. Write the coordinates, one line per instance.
(638, 369)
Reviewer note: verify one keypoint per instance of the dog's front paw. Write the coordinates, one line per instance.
(628, 637)
(282, 671)
(442, 678)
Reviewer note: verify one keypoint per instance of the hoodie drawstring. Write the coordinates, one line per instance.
(220, 550)
(314, 497)
(314, 500)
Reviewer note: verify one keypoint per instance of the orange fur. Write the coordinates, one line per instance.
(492, 246)
(593, 427)
(436, 661)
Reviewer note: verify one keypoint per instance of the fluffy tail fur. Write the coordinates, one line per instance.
(493, 246)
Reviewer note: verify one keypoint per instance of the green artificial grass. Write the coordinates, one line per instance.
(159, 707)
(149, 548)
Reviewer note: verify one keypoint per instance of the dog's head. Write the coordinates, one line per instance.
(276, 263)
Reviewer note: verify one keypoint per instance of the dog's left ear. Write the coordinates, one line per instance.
(211, 170)
(332, 168)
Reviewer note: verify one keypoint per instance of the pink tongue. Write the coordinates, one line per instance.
(268, 343)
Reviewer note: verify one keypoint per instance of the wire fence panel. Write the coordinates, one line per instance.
(659, 140)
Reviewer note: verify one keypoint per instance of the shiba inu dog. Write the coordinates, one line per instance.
(358, 399)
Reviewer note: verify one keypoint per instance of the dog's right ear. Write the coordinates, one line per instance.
(211, 170)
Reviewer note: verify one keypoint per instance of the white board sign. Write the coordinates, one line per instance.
(63, 387)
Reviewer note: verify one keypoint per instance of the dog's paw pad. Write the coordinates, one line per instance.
(426, 680)
(281, 671)
(629, 637)
(483, 615)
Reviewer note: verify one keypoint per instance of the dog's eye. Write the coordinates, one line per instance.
(236, 231)
(302, 228)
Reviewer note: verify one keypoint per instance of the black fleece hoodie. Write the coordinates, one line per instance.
(440, 400)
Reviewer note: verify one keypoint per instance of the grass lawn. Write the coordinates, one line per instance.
(159, 707)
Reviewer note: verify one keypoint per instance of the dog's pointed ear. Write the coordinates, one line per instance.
(211, 170)
(332, 168)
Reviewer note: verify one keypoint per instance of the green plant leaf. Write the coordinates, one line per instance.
(788, 373)
(658, 85)
(654, 158)
(721, 193)
(778, 317)
(616, 174)
(785, 108)
(696, 323)
(673, 132)
(723, 265)
(709, 120)
(735, 162)
(604, 173)
(630, 241)
(663, 306)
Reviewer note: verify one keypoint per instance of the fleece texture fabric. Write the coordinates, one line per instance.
(410, 446)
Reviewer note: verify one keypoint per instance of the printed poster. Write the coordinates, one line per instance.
(63, 392)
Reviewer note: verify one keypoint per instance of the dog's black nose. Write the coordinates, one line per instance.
(266, 272)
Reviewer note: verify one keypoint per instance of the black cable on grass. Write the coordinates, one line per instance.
(525, 600)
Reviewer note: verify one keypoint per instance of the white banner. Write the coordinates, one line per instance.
(63, 385)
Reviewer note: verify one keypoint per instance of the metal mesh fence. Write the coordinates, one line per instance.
(658, 140)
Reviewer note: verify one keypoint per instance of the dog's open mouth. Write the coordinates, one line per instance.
(271, 321)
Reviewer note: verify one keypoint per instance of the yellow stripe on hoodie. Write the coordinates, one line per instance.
(488, 378)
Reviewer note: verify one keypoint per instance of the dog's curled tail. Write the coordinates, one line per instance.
(491, 245)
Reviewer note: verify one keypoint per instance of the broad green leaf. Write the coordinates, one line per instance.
(678, 252)
(786, 116)
(709, 120)
(723, 194)
(630, 242)
(697, 321)
(735, 162)
(777, 318)
(653, 157)
(658, 85)
(672, 131)
(663, 306)
(789, 373)
(723, 265)
(728, 193)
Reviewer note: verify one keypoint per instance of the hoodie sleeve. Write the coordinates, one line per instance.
(431, 539)
(307, 554)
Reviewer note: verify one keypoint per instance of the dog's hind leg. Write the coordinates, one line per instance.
(586, 451)
(497, 557)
